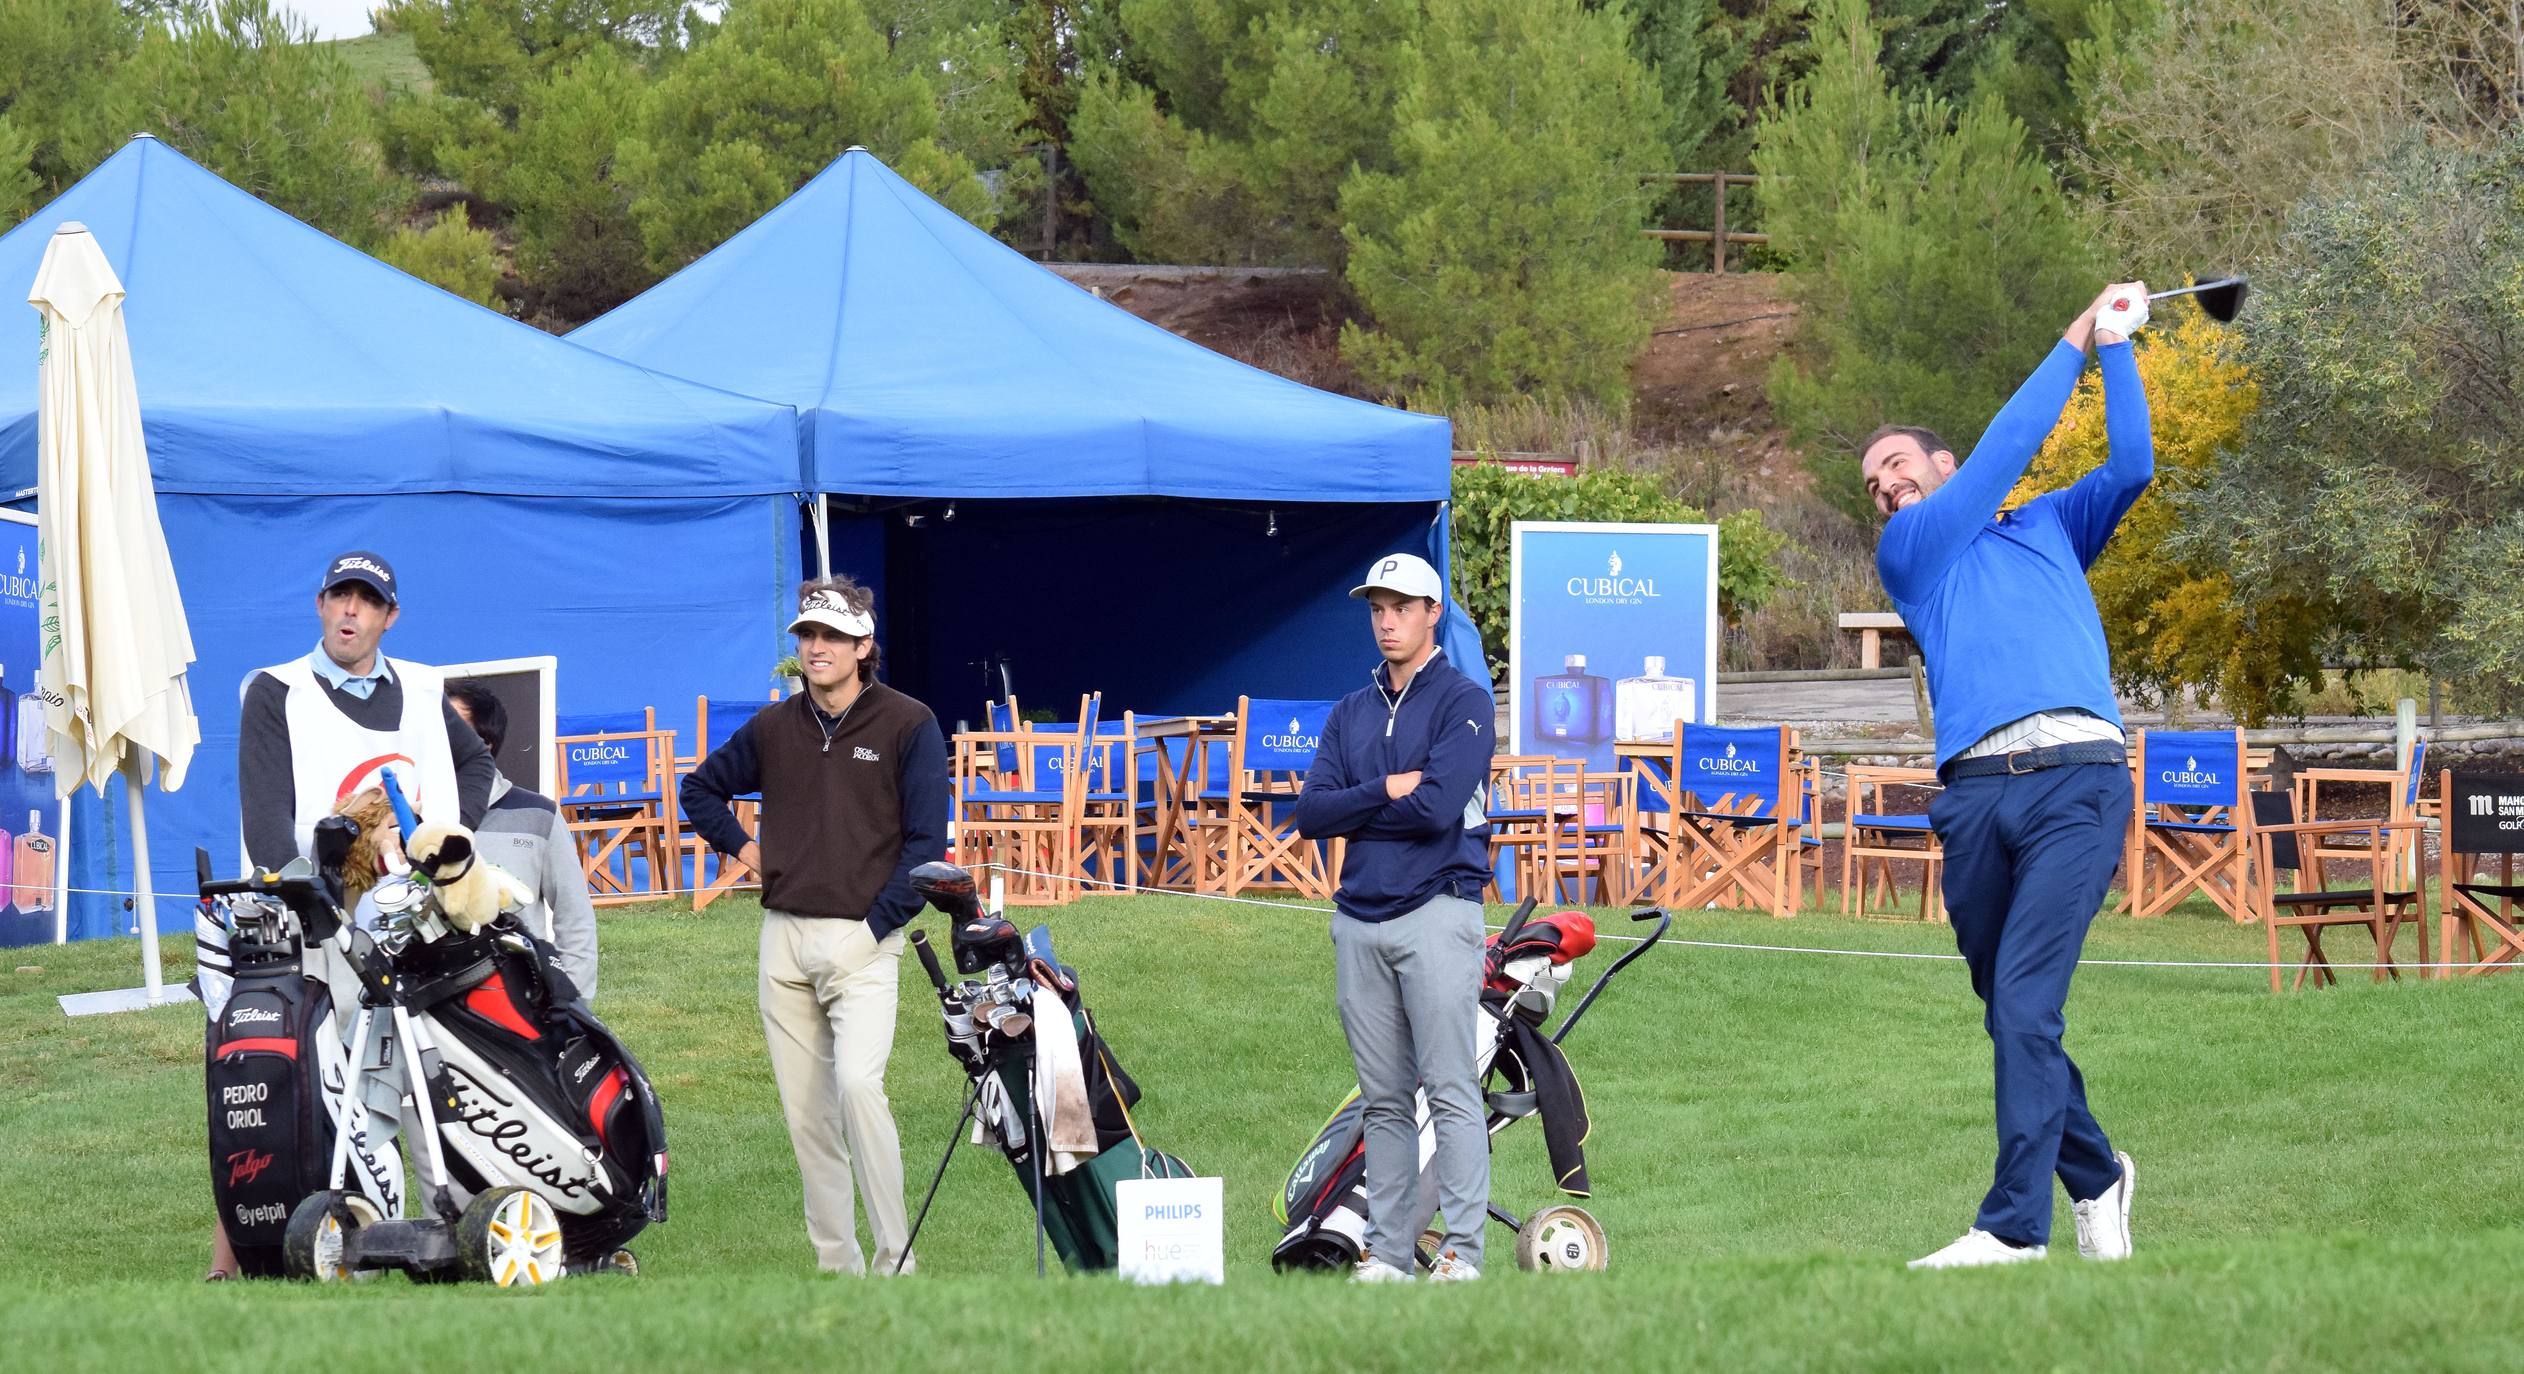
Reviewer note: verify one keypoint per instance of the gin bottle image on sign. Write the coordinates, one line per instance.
(1572, 704)
(34, 750)
(1645, 707)
(31, 885)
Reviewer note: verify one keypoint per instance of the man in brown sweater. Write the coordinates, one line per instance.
(853, 778)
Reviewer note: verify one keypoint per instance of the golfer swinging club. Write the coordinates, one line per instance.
(2029, 748)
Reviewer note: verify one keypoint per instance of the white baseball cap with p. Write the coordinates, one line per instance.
(1406, 573)
(831, 610)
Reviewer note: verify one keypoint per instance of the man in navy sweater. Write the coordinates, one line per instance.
(1400, 774)
(2029, 748)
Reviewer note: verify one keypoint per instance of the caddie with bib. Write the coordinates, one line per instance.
(317, 730)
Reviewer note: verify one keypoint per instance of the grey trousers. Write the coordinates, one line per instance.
(1410, 994)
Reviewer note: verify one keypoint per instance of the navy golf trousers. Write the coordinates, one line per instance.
(2028, 859)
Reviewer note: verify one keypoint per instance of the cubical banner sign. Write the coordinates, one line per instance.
(1612, 635)
(30, 815)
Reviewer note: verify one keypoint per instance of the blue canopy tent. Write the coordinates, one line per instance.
(1035, 478)
(300, 398)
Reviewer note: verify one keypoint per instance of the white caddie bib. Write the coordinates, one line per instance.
(332, 756)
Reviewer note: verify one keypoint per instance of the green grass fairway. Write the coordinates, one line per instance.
(2328, 1180)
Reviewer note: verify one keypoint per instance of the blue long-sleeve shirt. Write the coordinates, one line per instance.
(1404, 850)
(1998, 602)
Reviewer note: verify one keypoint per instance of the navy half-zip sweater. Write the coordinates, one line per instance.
(1434, 839)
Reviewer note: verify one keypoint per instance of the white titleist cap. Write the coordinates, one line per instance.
(830, 610)
(1405, 573)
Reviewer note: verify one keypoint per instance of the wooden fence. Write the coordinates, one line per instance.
(1716, 235)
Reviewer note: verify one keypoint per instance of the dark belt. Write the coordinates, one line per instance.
(2035, 760)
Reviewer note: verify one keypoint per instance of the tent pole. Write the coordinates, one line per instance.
(146, 901)
(823, 536)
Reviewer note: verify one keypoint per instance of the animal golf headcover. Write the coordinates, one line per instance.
(365, 863)
(472, 892)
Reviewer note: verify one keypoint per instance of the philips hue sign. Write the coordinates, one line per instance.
(1171, 1230)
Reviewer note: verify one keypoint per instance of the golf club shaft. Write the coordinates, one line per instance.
(2193, 289)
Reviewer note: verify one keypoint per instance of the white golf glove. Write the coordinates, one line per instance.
(2124, 314)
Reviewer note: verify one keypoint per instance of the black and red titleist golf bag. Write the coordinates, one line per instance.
(273, 1074)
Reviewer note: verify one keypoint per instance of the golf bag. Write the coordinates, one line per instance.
(1021, 1032)
(530, 1090)
(273, 1074)
(1324, 1202)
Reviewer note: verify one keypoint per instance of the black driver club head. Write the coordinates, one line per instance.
(2220, 298)
(949, 888)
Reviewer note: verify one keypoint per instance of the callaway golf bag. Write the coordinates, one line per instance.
(1045, 1087)
(1523, 1074)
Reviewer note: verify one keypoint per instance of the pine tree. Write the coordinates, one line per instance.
(1252, 112)
(579, 252)
(1502, 256)
(760, 106)
(450, 254)
(57, 57)
(18, 181)
(240, 87)
(1934, 256)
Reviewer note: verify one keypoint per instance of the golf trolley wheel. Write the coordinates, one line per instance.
(317, 1244)
(511, 1238)
(1561, 1238)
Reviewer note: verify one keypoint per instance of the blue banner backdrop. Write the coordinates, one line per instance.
(1613, 635)
(30, 816)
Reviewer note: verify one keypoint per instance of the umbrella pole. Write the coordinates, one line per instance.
(145, 900)
(61, 872)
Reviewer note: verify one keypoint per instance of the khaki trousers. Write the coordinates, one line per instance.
(828, 995)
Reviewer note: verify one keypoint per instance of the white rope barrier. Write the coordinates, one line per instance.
(1820, 950)
(2259, 965)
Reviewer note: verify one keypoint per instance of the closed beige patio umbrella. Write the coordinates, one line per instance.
(115, 642)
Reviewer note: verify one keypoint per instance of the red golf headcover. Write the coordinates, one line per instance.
(1566, 936)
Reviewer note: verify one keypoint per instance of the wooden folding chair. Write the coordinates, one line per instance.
(1586, 840)
(2333, 794)
(1019, 795)
(1110, 809)
(1738, 820)
(712, 874)
(1881, 834)
(1523, 789)
(2191, 830)
(1267, 759)
(617, 801)
(1268, 754)
(2483, 818)
(2310, 905)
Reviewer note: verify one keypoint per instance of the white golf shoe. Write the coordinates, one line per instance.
(1978, 1248)
(1377, 1271)
(2103, 1224)
(1452, 1268)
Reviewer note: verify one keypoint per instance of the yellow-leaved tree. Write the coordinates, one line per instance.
(2177, 624)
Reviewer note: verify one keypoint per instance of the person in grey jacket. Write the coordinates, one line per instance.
(523, 834)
